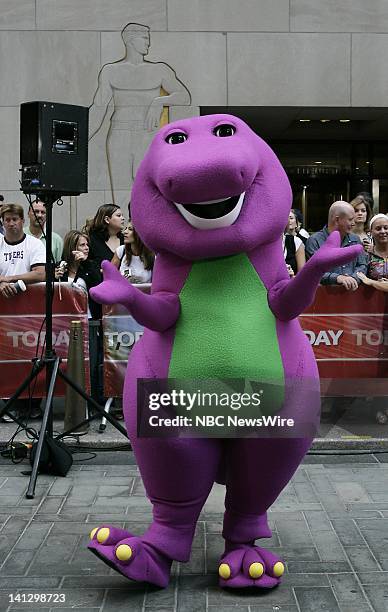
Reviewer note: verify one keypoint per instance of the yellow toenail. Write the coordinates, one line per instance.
(103, 535)
(224, 571)
(256, 570)
(278, 569)
(92, 533)
(123, 552)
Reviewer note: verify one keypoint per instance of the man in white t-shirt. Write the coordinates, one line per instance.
(21, 257)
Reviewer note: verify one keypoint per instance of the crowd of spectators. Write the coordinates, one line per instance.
(340, 218)
(78, 257)
(77, 260)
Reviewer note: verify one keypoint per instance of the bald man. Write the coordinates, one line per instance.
(341, 218)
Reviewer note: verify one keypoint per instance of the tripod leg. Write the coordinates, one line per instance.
(46, 415)
(93, 403)
(103, 420)
(37, 367)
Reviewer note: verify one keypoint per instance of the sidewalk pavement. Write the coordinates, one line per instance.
(353, 427)
(330, 524)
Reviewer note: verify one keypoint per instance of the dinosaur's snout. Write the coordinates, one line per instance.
(187, 182)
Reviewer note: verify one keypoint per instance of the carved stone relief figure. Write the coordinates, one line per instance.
(135, 94)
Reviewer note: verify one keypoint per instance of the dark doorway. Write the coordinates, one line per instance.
(328, 153)
(322, 172)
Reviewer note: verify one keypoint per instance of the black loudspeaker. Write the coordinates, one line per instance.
(54, 148)
(55, 458)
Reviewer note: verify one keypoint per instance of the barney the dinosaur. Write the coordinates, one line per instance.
(212, 200)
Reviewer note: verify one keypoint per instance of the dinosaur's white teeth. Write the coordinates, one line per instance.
(219, 222)
(205, 203)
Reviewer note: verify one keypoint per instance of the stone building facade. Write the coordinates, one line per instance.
(250, 53)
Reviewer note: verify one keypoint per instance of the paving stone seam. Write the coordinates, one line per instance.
(280, 542)
(315, 588)
(295, 597)
(362, 591)
(346, 557)
(71, 487)
(100, 609)
(60, 586)
(313, 540)
(40, 546)
(144, 601)
(64, 498)
(318, 490)
(205, 545)
(311, 533)
(132, 486)
(62, 504)
(29, 522)
(104, 599)
(176, 586)
(7, 520)
(358, 581)
(299, 609)
(366, 543)
(76, 549)
(46, 495)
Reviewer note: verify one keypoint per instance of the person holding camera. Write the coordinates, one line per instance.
(76, 267)
(75, 251)
(22, 257)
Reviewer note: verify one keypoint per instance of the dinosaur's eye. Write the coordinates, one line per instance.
(224, 130)
(176, 138)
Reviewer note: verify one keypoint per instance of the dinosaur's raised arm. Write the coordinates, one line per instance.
(288, 298)
(158, 311)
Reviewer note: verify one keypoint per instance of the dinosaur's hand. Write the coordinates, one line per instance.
(331, 254)
(288, 299)
(115, 288)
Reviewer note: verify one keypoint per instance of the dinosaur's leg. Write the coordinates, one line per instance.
(178, 476)
(257, 471)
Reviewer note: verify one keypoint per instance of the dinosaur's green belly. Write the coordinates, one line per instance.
(226, 329)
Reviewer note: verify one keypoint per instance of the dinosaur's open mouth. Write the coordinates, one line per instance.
(212, 214)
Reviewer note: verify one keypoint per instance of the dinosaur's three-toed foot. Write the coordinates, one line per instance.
(250, 566)
(130, 555)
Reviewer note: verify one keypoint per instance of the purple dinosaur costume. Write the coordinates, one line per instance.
(211, 199)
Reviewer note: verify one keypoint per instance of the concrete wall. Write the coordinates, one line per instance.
(268, 52)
